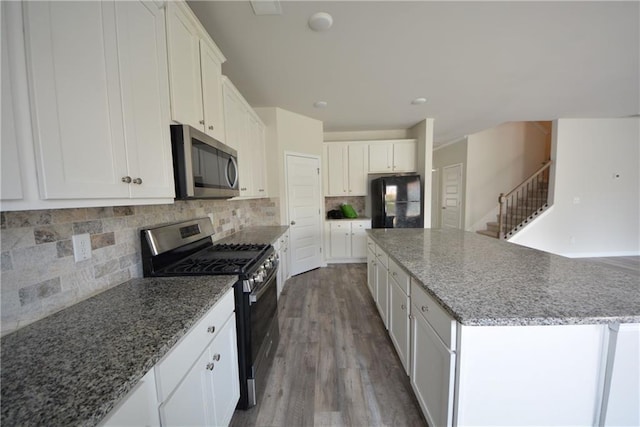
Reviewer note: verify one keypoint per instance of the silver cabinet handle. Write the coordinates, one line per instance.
(424, 308)
(126, 179)
(211, 329)
(402, 306)
(201, 122)
(210, 366)
(210, 127)
(216, 357)
(137, 181)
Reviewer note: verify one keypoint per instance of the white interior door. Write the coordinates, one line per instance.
(305, 222)
(452, 196)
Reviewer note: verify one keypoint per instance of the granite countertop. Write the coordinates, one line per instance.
(72, 367)
(267, 234)
(484, 281)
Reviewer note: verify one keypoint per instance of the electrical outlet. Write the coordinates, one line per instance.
(81, 247)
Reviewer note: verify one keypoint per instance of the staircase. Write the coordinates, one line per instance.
(521, 205)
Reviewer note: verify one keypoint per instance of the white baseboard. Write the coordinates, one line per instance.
(600, 254)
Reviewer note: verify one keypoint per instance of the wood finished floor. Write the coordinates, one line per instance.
(335, 365)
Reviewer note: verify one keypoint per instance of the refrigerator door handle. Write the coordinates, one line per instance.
(383, 194)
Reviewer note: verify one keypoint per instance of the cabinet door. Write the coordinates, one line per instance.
(138, 408)
(380, 157)
(432, 372)
(399, 322)
(404, 156)
(382, 295)
(359, 238)
(336, 159)
(75, 96)
(145, 97)
(211, 69)
(223, 353)
(11, 179)
(191, 403)
(372, 274)
(184, 67)
(340, 239)
(358, 168)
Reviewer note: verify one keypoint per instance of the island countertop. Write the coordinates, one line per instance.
(484, 282)
(72, 368)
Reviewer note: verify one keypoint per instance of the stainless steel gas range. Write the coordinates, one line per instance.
(186, 249)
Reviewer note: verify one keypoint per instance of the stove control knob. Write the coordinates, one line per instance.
(267, 264)
(257, 277)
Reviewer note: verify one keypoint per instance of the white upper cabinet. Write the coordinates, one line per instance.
(347, 165)
(143, 64)
(245, 132)
(97, 72)
(392, 156)
(212, 91)
(195, 71)
(77, 114)
(11, 179)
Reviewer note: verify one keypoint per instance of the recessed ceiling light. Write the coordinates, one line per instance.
(266, 7)
(320, 104)
(320, 21)
(419, 101)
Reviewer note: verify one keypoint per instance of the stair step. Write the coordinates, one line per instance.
(493, 227)
(493, 234)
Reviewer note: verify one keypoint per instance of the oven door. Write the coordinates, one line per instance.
(265, 334)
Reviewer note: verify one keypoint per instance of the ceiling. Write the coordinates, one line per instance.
(478, 63)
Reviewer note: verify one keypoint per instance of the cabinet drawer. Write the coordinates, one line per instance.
(424, 305)
(382, 256)
(371, 245)
(173, 367)
(399, 276)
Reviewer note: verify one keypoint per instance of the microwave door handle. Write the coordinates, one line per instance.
(232, 161)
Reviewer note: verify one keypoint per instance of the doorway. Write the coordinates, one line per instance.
(302, 175)
(451, 207)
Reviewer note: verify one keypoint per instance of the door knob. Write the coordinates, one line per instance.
(293, 223)
(444, 207)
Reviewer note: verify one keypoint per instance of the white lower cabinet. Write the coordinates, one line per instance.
(372, 272)
(399, 322)
(432, 371)
(138, 408)
(281, 246)
(382, 294)
(347, 240)
(208, 394)
(195, 384)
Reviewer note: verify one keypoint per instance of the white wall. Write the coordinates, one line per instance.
(423, 133)
(448, 155)
(593, 212)
(499, 159)
(287, 131)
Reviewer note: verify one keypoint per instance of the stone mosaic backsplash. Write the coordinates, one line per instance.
(357, 202)
(39, 276)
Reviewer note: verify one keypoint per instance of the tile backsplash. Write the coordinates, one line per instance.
(39, 276)
(356, 201)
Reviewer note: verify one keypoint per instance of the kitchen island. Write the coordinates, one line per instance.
(503, 334)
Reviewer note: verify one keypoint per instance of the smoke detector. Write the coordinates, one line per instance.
(320, 21)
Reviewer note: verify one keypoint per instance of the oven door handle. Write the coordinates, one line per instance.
(257, 293)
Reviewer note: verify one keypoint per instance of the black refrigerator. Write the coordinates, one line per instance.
(396, 202)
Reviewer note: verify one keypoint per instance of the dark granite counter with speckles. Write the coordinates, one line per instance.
(267, 234)
(484, 281)
(72, 367)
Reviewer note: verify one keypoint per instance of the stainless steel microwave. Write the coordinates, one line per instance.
(204, 168)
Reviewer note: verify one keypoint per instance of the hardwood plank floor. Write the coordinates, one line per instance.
(335, 365)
